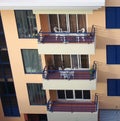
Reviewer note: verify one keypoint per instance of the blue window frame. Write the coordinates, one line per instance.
(113, 17)
(113, 87)
(112, 52)
(10, 106)
(8, 99)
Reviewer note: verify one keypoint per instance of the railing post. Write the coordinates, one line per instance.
(96, 101)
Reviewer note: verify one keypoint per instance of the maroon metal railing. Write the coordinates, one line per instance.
(72, 106)
(67, 37)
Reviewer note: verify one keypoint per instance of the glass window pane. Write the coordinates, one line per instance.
(61, 94)
(81, 21)
(69, 94)
(66, 61)
(10, 106)
(73, 24)
(53, 22)
(26, 23)
(84, 61)
(32, 61)
(78, 94)
(86, 94)
(62, 20)
(74, 61)
(37, 96)
(57, 61)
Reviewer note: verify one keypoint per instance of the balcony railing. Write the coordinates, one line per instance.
(73, 106)
(67, 37)
(69, 74)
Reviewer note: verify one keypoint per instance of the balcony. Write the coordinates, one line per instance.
(70, 79)
(67, 43)
(73, 110)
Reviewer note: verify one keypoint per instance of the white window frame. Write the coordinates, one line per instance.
(80, 99)
(68, 21)
(79, 61)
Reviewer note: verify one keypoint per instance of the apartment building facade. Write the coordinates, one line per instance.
(60, 66)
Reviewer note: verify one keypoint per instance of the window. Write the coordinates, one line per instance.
(113, 54)
(32, 61)
(37, 117)
(10, 106)
(36, 95)
(70, 23)
(73, 94)
(26, 23)
(61, 94)
(113, 87)
(8, 99)
(71, 61)
(7, 88)
(112, 17)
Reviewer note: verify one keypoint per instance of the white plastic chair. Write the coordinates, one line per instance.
(57, 30)
(82, 33)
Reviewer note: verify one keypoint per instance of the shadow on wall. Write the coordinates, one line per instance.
(105, 71)
(106, 36)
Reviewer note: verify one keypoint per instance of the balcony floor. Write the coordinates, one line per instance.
(73, 106)
(67, 39)
(78, 74)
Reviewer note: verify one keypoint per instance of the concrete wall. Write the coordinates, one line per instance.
(72, 116)
(103, 37)
(112, 3)
(15, 45)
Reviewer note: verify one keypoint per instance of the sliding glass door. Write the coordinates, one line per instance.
(68, 22)
(71, 61)
(74, 94)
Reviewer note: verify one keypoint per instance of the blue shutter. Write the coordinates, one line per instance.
(111, 54)
(117, 54)
(118, 87)
(117, 17)
(112, 87)
(110, 17)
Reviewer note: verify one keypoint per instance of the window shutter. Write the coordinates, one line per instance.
(111, 54)
(112, 87)
(110, 17)
(118, 87)
(117, 54)
(117, 17)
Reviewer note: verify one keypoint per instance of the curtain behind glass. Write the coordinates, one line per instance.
(32, 62)
(73, 24)
(53, 22)
(26, 23)
(84, 61)
(81, 21)
(62, 20)
(37, 96)
(57, 61)
(66, 61)
(74, 61)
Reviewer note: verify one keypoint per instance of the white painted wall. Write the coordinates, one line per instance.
(62, 48)
(69, 84)
(72, 116)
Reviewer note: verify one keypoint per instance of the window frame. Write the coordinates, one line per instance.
(113, 87)
(39, 62)
(74, 96)
(112, 54)
(68, 21)
(28, 35)
(34, 93)
(79, 63)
